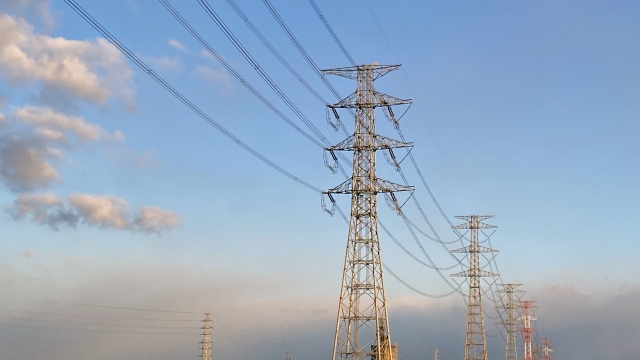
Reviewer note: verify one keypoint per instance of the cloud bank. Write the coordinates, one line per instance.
(103, 211)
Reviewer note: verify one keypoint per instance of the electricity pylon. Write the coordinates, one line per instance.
(206, 341)
(436, 355)
(362, 329)
(475, 347)
(546, 349)
(526, 330)
(512, 295)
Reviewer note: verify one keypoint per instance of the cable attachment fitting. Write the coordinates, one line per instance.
(331, 211)
(331, 166)
(335, 125)
(392, 202)
(388, 113)
(391, 159)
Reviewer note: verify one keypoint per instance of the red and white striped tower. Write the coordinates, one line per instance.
(546, 349)
(526, 330)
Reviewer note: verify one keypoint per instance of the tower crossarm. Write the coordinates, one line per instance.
(480, 273)
(377, 187)
(474, 225)
(351, 72)
(473, 249)
(377, 99)
(379, 143)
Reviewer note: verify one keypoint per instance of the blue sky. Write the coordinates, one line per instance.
(527, 111)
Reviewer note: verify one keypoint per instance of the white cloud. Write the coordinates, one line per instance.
(164, 63)
(206, 54)
(102, 211)
(219, 78)
(68, 65)
(50, 124)
(177, 45)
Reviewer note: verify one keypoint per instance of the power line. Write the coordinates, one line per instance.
(274, 51)
(333, 34)
(263, 74)
(113, 40)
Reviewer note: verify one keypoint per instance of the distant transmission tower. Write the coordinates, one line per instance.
(512, 295)
(206, 341)
(362, 329)
(475, 345)
(527, 330)
(546, 349)
(436, 356)
(537, 352)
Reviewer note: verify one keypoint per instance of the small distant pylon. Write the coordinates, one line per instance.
(512, 295)
(286, 349)
(527, 330)
(436, 355)
(206, 341)
(546, 349)
(475, 345)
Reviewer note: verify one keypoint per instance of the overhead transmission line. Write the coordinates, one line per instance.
(185, 100)
(390, 113)
(284, 62)
(333, 33)
(263, 74)
(142, 65)
(316, 69)
(246, 54)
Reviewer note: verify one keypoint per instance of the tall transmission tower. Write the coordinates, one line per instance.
(362, 329)
(546, 349)
(527, 330)
(206, 341)
(512, 295)
(475, 345)
(436, 355)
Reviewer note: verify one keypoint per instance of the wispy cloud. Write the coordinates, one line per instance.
(164, 63)
(217, 78)
(177, 45)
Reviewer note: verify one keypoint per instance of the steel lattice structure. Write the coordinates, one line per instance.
(362, 329)
(546, 349)
(512, 295)
(527, 330)
(206, 342)
(475, 347)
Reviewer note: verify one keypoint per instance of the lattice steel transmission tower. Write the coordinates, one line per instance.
(475, 347)
(527, 330)
(362, 329)
(436, 355)
(546, 349)
(206, 340)
(512, 296)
